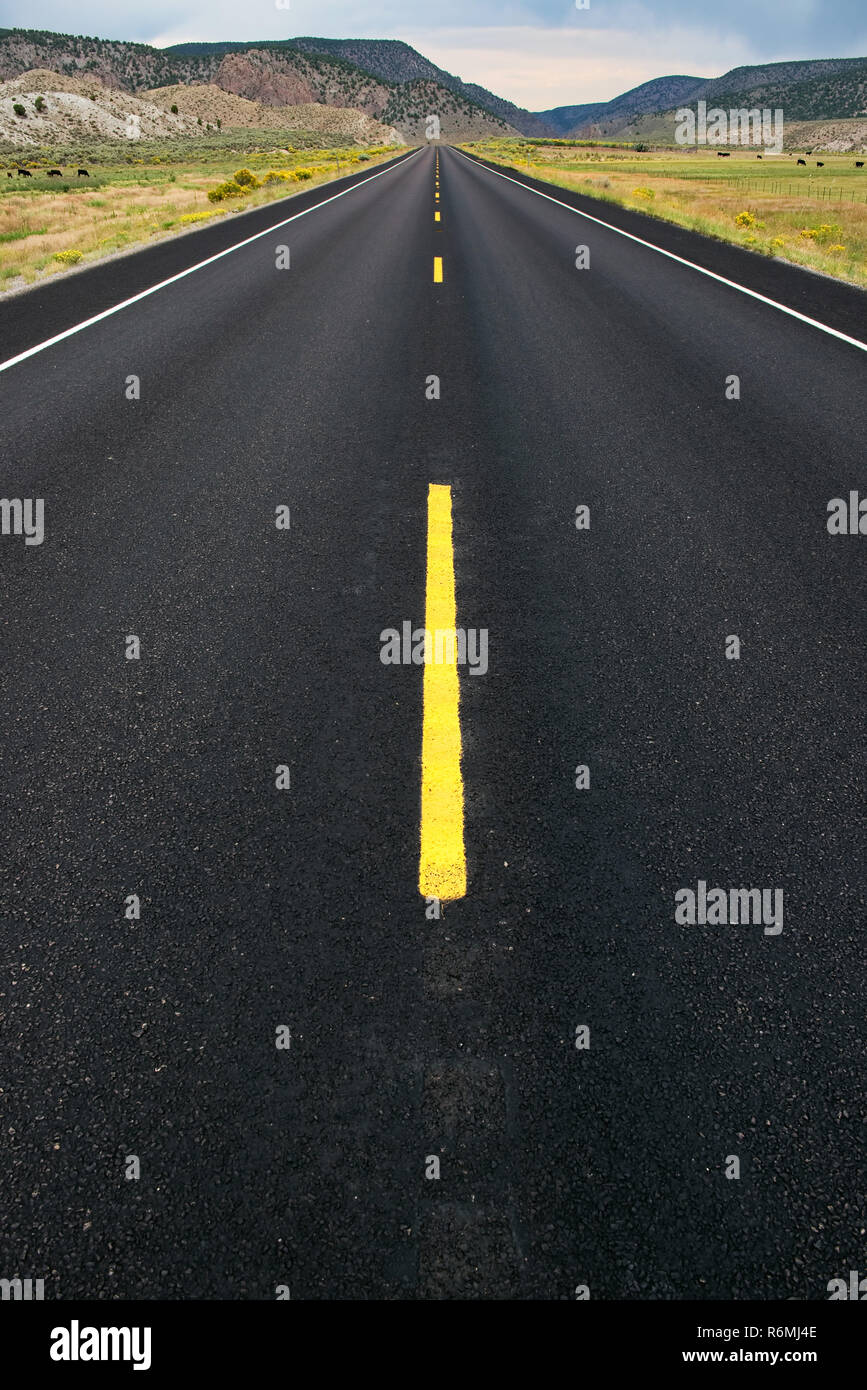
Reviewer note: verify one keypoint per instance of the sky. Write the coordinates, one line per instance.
(537, 53)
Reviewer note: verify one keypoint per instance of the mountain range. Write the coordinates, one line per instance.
(396, 85)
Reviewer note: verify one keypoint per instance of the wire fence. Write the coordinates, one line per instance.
(805, 187)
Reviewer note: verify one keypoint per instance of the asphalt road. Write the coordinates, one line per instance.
(306, 387)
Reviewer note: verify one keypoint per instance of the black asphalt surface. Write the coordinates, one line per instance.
(156, 1038)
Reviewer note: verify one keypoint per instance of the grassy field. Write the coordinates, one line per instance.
(810, 216)
(49, 225)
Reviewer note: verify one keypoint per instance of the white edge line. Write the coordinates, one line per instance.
(733, 284)
(152, 289)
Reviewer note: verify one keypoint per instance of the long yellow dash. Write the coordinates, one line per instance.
(438, 270)
(442, 871)
(437, 196)
(436, 217)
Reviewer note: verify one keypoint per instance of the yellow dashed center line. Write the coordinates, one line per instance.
(436, 217)
(438, 270)
(442, 869)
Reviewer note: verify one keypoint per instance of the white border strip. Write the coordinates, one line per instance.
(116, 308)
(733, 284)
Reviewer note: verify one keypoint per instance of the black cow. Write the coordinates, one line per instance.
(83, 174)
(859, 163)
(803, 161)
(9, 174)
(723, 154)
(758, 156)
(55, 174)
(25, 174)
(820, 164)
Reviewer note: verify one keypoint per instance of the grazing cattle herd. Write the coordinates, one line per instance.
(820, 164)
(50, 173)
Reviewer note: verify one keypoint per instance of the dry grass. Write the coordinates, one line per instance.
(777, 196)
(121, 210)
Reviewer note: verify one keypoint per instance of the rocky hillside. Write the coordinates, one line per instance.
(410, 103)
(212, 105)
(75, 109)
(828, 137)
(274, 75)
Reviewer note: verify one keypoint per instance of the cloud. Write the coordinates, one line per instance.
(537, 53)
(815, 27)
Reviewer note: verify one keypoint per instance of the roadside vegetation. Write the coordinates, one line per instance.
(814, 217)
(130, 198)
